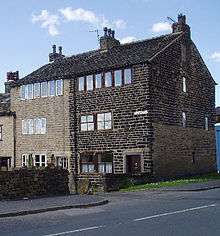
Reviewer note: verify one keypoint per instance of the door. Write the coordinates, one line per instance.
(133, 164)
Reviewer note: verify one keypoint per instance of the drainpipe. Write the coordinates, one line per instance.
(14, 138)
(75, 130)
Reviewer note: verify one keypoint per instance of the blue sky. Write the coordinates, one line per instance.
(30, 27)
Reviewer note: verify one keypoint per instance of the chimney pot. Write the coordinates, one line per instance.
(54, 48)
(109, 32)
(105, 29)
(113, 34)
(60, 50)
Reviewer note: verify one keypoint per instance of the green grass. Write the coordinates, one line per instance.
(172, 183)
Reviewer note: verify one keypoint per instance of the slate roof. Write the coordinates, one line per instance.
(4, 103)
(217, 111)
(99, 60)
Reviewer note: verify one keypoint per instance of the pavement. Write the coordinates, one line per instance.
(194, 186)
(45, 204)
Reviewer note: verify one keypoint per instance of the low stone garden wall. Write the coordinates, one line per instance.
(20, 183)
(110, 182)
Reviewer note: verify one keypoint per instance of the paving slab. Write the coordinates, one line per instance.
(38, 205)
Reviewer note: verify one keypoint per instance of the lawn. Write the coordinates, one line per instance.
(172, 183)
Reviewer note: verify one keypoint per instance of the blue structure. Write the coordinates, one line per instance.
(217, 131)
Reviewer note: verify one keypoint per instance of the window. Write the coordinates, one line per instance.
(118, 77)
(105, 161)
(30, 91)
(62, 162)
(34, 126)
(40, 160)
(108, 79)
(1, 132)
(104, 121)
(44, 89)
(127, 76)
(184, 119)
(22, 92)
(87, 163)
(24, 161)
(30, 126)
(40, 125)
(98, 80)
(36, 90)
(89, 82)
(97, 162)
(206, 123)
(87, 123)
(81, 82)
(59, 87)
(51, 88)
(184, 84)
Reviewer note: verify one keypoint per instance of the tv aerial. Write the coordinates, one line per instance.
(97, 33)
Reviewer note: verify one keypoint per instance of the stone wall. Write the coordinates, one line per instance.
(7, 142)
(33, 182)
(55, 109)
(129, 131)
(182, 151)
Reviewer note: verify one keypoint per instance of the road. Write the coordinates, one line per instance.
(130, 214)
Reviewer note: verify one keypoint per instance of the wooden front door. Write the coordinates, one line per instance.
(133, 164)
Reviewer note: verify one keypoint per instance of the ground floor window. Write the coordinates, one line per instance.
(38, 160)
(62, 162)
(97, 162)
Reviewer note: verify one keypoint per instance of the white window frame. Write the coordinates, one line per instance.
(22, 92)
(206, 123)
(37, 90)
(87, 123)
(53, 83)
(125, 78)
(119, 72)
(63, 162)
(108, 75)
(42, 89)
(184, 84)
(81, 87)
(40, 160)
(59, 90)
(104, 121)
(98, 77)
(24, 160)
(184, 119)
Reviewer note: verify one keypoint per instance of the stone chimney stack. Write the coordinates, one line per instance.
(11, 77)
(180, 25)
(108, 41)
(54, 55)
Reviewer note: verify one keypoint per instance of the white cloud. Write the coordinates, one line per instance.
(80, 14)
(48, 21)
(216, 56)
(128, 39)
(119, 24)
(161, 27)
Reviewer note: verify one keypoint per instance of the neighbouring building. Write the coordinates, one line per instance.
(136, 109)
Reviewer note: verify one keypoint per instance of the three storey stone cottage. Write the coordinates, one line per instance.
(135, 109)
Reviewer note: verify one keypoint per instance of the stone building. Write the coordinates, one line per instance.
(136, 109)
(217, 114)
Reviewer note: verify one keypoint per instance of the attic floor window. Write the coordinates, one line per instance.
(118, 77)
(98, 80)
(108, 79)
(89, 82)
(81, 83)
(127, 76)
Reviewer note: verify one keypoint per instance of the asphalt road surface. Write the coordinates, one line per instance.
(137, 213)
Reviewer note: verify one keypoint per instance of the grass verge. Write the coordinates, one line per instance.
(172, 183)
